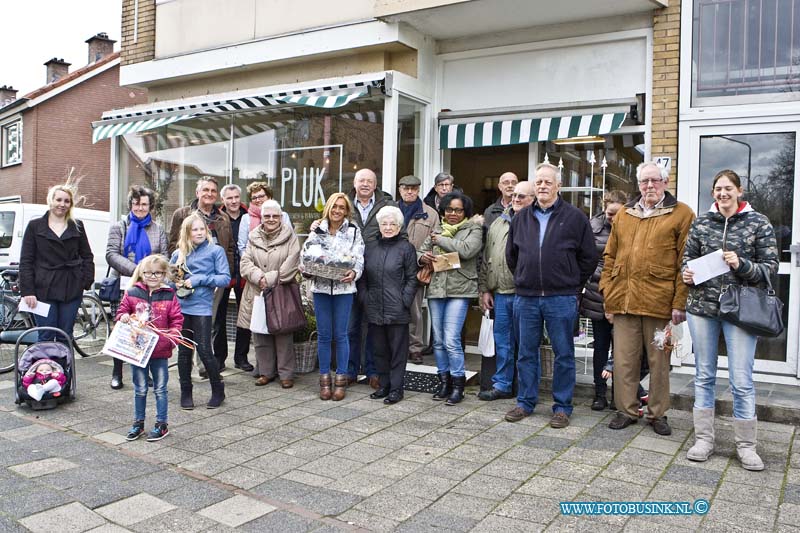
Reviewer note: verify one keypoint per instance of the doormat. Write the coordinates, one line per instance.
(421, 381)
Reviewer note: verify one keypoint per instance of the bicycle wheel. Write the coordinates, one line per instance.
(92, 326)
(10, 319)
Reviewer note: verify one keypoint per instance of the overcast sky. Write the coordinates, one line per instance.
(34, 31)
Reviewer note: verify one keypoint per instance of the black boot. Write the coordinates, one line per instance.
(445, 387)
(458, 390)
(187, 402)
(116, 375)
(217, 395)
(600, 401)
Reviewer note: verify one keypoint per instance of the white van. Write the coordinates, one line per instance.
(14, 218)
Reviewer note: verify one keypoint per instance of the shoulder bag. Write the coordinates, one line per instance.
(284, 309)
(755, 310)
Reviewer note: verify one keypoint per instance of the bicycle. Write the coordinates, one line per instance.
(12, 320)
(92, 326)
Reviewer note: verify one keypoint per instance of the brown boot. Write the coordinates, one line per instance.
(324, 386)
(339, 387)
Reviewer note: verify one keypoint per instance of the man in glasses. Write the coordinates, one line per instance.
(443, 184)
(508, 181)
(551, 252)
(643, 291)
(496, 286)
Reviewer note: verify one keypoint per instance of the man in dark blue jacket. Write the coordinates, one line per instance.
(551, 251)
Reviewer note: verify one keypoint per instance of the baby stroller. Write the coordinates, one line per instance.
(38, 351)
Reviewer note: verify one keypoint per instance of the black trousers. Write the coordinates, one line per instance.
(602, 343)
(390, 344)
(198, 329)
(221, 334)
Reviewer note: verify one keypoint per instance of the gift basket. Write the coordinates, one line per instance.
(327, 257)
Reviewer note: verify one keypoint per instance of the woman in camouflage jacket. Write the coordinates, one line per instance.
(747, 240)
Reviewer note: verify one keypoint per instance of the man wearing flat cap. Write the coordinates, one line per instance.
(420, 221)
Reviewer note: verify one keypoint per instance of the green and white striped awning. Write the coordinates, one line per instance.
(526, 130)
(328, 97)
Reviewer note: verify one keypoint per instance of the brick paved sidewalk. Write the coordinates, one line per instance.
(282, 460)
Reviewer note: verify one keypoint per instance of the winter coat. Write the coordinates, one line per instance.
(244, 230)
(221, 230)
(641, 274)
(276, 260)
(209, 270)
(389, 283)
(563, 262)
(592, 301)
(165, 313)
(748, 233)
(492, 212)
(493, 274)
(121, 264)
(369, 229)
(430, 198)
(350, 237)
(34, 376)
(458, 282)
(419, 229)
(235, 225)
(52, 268)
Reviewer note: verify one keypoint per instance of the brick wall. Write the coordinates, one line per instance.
(666, 67)
(145, 46)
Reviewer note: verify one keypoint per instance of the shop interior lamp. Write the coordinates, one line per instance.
(587, 139)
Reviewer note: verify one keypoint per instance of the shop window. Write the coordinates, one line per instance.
(11, 143)
(745, 51)
(409, 138)
(304, 154)
(584, 180)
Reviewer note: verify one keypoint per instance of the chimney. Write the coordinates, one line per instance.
(99, 47)
(7, 95)
(56, 69)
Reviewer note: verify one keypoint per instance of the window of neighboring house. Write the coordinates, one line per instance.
(745, 51)
(11, 143)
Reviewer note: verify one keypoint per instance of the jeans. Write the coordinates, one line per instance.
(333, 315)
(220, 337)
(504, 342)
(741, 348)
(558, 315)
(62, 315)
(602, 343)
(358, 325)
(159, 369)
(198, 329)
(447, 317)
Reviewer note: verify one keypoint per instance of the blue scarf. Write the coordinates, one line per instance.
(412, 211)
(136, 240)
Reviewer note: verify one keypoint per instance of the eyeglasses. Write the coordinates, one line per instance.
(650, 181)
(257, 197)
(388, 224)
(453, 211)
(520, 196)
(444, 184)
(157, 274)
(271, 217)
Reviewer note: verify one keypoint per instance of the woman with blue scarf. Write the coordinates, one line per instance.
(129, 241)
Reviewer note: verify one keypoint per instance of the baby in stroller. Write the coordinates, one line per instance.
(44, 376)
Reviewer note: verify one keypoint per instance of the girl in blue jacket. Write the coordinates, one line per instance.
(201, 267)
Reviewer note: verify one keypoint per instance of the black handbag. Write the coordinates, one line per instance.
(109, 288)
(755, 310)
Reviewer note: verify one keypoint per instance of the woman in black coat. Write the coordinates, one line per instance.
(388, 287)
(56, 263)
(592, 301)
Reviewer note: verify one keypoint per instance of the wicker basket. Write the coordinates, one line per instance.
(305, 355)
(325, 271)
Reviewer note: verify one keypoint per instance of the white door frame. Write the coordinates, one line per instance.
(688, 165)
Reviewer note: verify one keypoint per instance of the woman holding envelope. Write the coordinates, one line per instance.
(748, 245)
(453, 254)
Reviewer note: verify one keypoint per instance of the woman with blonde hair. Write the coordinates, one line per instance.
(271, 258)
(200, 267)
(333, 298)
(56, 262)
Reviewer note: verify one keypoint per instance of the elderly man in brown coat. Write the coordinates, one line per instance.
(643, 291)
(421, 220)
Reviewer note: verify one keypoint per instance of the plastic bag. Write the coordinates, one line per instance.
(486, 338)
(258, 318)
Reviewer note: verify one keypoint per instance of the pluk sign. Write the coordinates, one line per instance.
(307, 176)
